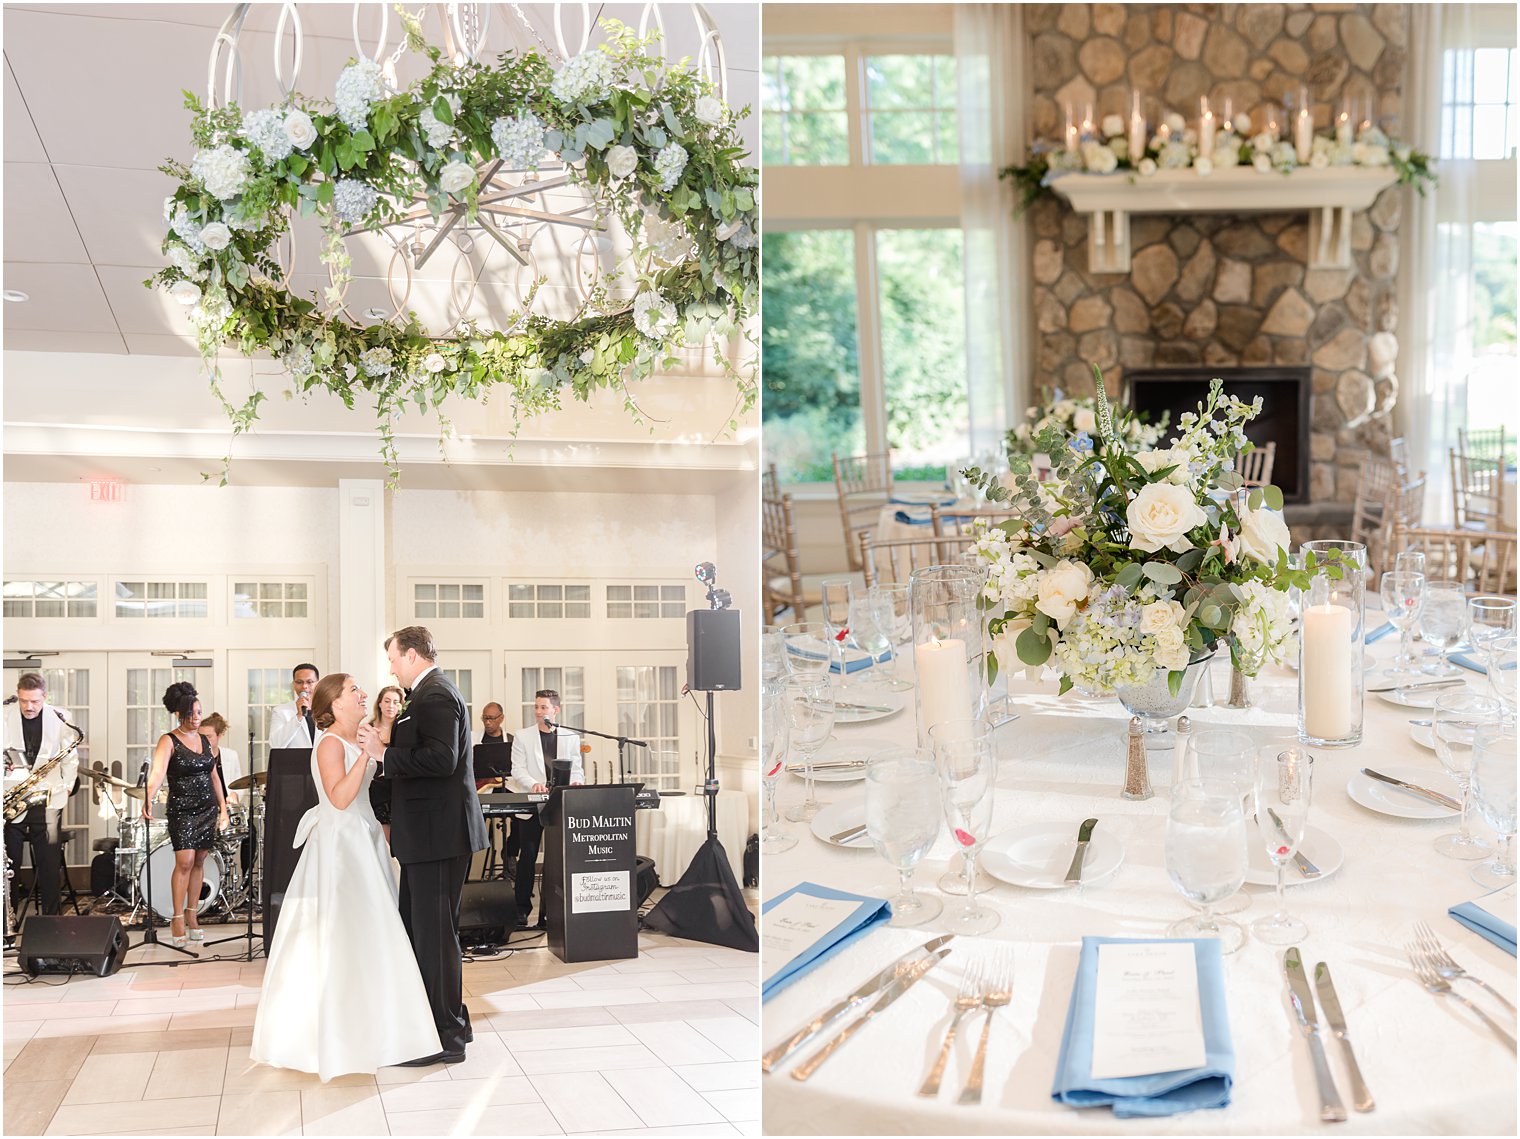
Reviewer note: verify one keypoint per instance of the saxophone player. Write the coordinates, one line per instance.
(36, 731)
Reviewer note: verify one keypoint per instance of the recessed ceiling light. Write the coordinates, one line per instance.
(15, 295)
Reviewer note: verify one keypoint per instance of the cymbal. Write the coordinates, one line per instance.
(132, 792)
(254, 780)
(106, 778)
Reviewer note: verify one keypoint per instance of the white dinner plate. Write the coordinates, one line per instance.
(1425, 698)
(862, 749)
(1318, 847)
(837, 817)
(1378, 796)
(1424, 735)
(1038, 855)
(861, 716)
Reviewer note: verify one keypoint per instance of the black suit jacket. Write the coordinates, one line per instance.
(435, 813)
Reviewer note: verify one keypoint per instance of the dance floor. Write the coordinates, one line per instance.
(664, 1044)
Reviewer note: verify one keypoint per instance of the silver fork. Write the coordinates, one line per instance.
(1425, 971)
(966, 1001)
(1445, 966)
(997, 992)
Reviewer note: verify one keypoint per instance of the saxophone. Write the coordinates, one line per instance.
(29, 792)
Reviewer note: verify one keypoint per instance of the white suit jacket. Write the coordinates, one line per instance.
(55, 737)
(287, 728)
(528, 757)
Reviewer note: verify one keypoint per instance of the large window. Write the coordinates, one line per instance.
(910, 110)
(1480, 111)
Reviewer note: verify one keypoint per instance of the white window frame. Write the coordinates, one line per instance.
(257, 580)
(484, 585)
(35, 581)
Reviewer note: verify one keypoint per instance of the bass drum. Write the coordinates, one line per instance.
(160, 865)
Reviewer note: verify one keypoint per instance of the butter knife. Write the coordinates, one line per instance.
(848, 836)
(1331, 1110)
(1361, 1098)
(1424, 792)
(813, 1027)
(1415, 685)
(890, 994)
(1084, 836)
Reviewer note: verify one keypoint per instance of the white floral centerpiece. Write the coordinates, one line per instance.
(1077, 418)
(1125, 565)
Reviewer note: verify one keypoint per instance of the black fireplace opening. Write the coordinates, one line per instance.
(1284, 417)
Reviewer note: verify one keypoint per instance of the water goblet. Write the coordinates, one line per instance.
(773, 739)
(1493, 785)
(836, 594)
(808, 703)
(1284, 789)
(1443, 621)
(772, 653)
(1221, 755)
(891, 605)
(867, 635)
(1403, 598)
(902, 819)
(1488, 619)
(1410, 561)
(1455, 723)
(1502, 673)
(808, 650)
(1206, 857)
(967, 767)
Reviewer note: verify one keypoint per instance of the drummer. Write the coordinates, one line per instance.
(230, 769)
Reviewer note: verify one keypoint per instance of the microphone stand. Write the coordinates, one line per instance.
(622, 742)
(150, 934)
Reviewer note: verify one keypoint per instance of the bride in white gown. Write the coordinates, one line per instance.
(342, 992)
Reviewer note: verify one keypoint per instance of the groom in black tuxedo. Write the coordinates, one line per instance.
(436, 825)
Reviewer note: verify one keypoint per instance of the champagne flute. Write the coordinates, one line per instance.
(1488, 619)
(1455, 723)
(836, 595)
(1443, 621)
(1284, 789)
(1220, 755)
(808, 652)
(894, 617)
(1403, 598)
(773, 740)
(1493, 784)
(902, 818)
(1206, 857)
(967, 767)
(808, 703)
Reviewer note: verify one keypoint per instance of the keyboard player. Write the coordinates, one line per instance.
(492, 775)
(535, 751)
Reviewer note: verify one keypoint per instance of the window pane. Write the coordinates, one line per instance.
(426, 593)
(577, 593)
(903, 138)
(550, 609)
(617, 609)
(1490, 74)
(810, 353)
(474, 592)
(672, 593)
(646, 593)
(577, 609)
(448, 593)
(474, 609)
(673, 609)
(519, 593)
(1493, 251)
(817, 138)
(646, 608)
(427, 609)
(551, 592)
(49, 607)
(520, 609)
(900, 81)
(620, 593)
(813, 82)
(1489, 139)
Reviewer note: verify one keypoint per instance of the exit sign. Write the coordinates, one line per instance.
(105, 490)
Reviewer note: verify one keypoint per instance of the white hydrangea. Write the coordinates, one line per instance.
(519, 140)
(375, 361)
(187, 229)
(1175, 155)
(743, 237)
(1203, 166)
(359, 86)
(298, 361)
(1147, 167)
(587, 78)
(1227, 153)
(438, 133)
(1262, 161)
(353, 200)
(223, 171)
(653, 316)
(265, 131)
(455, 177)
(185, 261)
(213, 310)
(169, 206)
(667, 240)
(669, 163)
(215, 235)
(1099, 158)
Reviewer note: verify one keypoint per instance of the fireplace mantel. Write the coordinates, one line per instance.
(1328, 196)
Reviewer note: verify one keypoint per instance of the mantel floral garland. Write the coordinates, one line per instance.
(1122, 564)
(656, 139)
(1176, 148)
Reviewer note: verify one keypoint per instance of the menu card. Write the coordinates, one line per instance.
(1147, 1016)
(806, 925)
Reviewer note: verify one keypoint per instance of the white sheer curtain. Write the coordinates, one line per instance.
(989, 52)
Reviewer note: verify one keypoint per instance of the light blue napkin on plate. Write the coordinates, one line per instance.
(1167, 1093)
(866, 916)
(1485, 924)
(1381, 632)
(947, 499)
(1468, 663)
(911, 520)
(856, 665)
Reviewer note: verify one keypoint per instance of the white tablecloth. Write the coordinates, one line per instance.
(1430, 1065)
(675, 832)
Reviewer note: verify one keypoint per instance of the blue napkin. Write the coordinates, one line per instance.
(909, 520)
(1485, 924)
(1468, 663)
(1380, 633)
(947, 499)
(866, 916)
(1168, 1093)
(855, 665)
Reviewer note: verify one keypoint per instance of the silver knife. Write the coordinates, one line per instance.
(1424, 792)
(1331, 1110)
(895, 990)
(1084, 835)
(1305, 867)
(848, 836)
(813, 1027)
(1415, 685)
(861, 707)
(830, 765)
(1361, 1098)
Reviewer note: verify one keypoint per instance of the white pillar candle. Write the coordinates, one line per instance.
(944, 685)
(1303, 127)
(1205, 128)
(1326, 672)
(1343, 128)
(1089, 130)
(1136, 130)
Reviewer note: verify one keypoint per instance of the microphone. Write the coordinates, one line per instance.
(551, 725)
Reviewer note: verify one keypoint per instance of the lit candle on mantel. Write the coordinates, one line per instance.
(1326, 671)
(944, 684)
(1303, 128)
(1205, 128)
(1343, 126)
(1089, 130)
(1136, 130)
(1071, 131)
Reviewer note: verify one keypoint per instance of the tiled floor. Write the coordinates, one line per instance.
(663, 1044)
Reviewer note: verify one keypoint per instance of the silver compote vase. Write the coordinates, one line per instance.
(1154, 703)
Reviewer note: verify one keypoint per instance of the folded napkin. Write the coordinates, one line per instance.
(1468, 663)
(1167, 1093)
(912, 520)
(1491, 916)
(1381, 632)
(946, 499)
(855, 665)
(866, 914)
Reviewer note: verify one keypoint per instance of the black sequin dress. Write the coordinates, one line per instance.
(192, 802)
(380, 798)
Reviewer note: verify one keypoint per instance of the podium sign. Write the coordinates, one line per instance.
(589, 890)
(288, 794)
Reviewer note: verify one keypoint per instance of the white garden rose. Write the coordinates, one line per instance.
(1262, 534)
(1175, 122)
(1099, 158)
(1159, 459)
(185, 292)
(1147, 167)
(709, 110)
(216, 235)
(1061, 588)
(1262, 161)
(1171, 649)
(1160, 516)
(1319, 160)
(1160, 615)
(455, 176)
(622, 161)
(299, 129)
(435, 362)
(1085, 420)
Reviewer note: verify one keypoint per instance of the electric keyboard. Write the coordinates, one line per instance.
(496, 803)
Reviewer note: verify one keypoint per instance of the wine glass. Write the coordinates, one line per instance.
(1221, 755)
(1403, 598)
(1488, 619)
(1493, 785)
(836, 595)
(1502, 673)
(808, 703)
(772, 653)
(1457, 718)
(967, 767)
(1206, 857)
(894, 617)
(1443, 622)
(808, 652)
(1284, 788)
(1410, 561)
(902, 818)
(867, 635)
(773, 739)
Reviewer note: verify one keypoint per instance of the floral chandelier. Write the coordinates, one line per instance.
(625, 174)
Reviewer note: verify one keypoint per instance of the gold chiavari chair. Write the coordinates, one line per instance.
(1475, 490)
(957, 522)
(780, 567)
(863, 484)
(1482, 560)
(1256, 466)
(894, 559)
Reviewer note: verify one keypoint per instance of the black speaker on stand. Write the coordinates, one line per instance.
(92, 943)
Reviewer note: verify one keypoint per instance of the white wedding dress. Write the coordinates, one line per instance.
(342, 992)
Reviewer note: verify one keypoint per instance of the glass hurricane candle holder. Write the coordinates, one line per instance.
(948, 646)
(1331, 681)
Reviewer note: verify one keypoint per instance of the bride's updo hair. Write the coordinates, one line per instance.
(180, 698)
(329, 689)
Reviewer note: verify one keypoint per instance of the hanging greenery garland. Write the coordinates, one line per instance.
(653, 142)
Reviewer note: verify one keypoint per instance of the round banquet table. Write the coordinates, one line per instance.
(673, 834)
(1431, 1066)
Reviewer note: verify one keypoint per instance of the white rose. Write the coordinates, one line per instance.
(1160, 516)
(622, 161)
(1204, 166)
(1085, 420)
(1319, 160)
(185, 292)
(1241, 121)
(1061, 588)
(1171, 649)
(216, 235)
(1175, 122)
(299, 129)
(1262, 534)
(1098, 158)
(709, 110)
(1263, 162)
(455, 176)
(1113, 125)
(1159, 615)
(435, 362)
(1147, 167)
(1174, 457)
